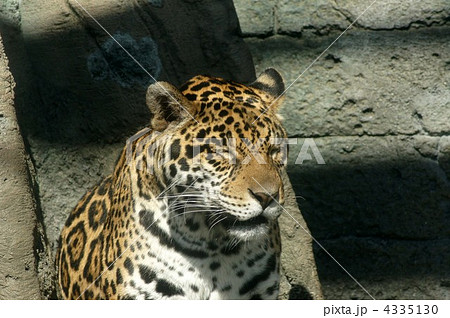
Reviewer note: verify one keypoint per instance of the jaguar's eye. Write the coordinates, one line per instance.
(224, 153)
(274, 151)
(277, 154)
(220, 152)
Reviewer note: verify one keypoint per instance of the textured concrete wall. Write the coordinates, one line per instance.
(294, 17)
(377, 105)
(82, 74)
(22, 240)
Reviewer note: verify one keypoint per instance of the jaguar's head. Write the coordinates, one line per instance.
(222, 147)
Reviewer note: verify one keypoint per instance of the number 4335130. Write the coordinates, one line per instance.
(411, 309)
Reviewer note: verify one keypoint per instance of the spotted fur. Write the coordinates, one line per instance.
(173, 223)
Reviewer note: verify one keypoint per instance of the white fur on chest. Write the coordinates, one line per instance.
(217, 276)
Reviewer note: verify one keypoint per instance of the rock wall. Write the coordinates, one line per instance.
(297, 17)
(24, 258)
(80, 73)
(377, 106)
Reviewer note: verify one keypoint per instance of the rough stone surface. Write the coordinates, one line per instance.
(81, 97)
(65, 173)
(301, 274)
(294, 17)
(22, 240)
(444, 155)
(111, 61)
(386, 14)
(376, 105)
(373, 186)
(367, 83)
(322, 16)
(9, 12)
(256, 18)
(386, 268)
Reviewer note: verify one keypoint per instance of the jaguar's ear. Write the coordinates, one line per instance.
(167, 105)
(271, 85)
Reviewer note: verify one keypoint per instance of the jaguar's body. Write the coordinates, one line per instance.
(191, 208)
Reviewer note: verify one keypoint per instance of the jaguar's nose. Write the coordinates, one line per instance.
(263, 198)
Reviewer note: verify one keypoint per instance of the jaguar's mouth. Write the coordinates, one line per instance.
(233, 222)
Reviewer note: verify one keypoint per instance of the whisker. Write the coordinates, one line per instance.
(209, 211)
(194, 205)
(185, 195)
(168, 188)
(191, 212)
(216, 222)
(233, 242)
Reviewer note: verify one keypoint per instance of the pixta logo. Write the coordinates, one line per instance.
(146, 148)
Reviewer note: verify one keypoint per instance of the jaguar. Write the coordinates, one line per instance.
(191, 209)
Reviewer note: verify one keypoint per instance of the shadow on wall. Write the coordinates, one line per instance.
(75, 84)
(392, 200)
(382, 221)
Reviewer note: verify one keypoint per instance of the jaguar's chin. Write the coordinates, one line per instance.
(253, 228)
(232, 221)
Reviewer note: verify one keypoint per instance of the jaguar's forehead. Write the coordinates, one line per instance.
(207, 90)
(232, 107)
